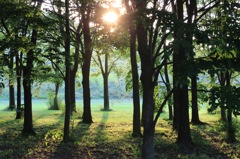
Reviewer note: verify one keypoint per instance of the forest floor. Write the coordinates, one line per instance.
(109, 136)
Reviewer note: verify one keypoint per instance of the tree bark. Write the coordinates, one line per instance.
(11, 83)
(75, 69)
(147, 68)
(222, 81)
(27, 82)
(67, 75)
(168, 85)
(184, 135)
(87, 117)
(105, 84)
(135, 82)
(231, 133)
(19, 77)
(195, 112)
(57, 85)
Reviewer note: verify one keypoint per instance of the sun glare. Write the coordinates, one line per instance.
(110, 17)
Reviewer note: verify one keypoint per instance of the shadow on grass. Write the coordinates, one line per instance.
(14, 145)
(166, 147)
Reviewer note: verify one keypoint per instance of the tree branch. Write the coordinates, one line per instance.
(161, 107)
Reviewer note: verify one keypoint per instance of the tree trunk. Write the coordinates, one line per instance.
(195, 112)
(222, 81)
(75, 69)
(184, 135)
(27, 82)
(147, 68)
(11, 83)
(19, 76)
(168, 85)
(135, 82)
(57, 85)
(72, 92)
(231, 133)
(135, 78)
(176, 98)
(87, 117)
(67, 75)
(105, 84)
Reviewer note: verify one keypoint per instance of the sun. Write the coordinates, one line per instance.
(110, 17)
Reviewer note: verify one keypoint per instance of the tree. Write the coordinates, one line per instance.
(135, 78)
(67, 74)
(151, 37)
(27, 77)
(86, 55)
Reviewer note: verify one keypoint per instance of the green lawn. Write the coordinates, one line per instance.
(108, 137)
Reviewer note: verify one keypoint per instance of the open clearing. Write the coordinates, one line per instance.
(109, 137)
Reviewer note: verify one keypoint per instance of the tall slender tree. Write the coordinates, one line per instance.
(86, 63)
(67, 74)
(135, 77)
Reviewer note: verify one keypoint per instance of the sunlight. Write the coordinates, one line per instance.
(110, 17)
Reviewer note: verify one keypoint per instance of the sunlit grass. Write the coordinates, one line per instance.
(109, 136)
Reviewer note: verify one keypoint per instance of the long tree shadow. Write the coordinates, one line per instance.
(75, 148)
(166, 146)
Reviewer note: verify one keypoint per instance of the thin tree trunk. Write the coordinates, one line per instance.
(147, 68)
(231, 133)
(184, 135)
(87, 117)
(135, 78)
(27, 83)
(67, 75)
(222, 81)
(57, 85)
(168, 85)
(19, 75)
(105, 84)
(135, 82)
(195, 112)
(11, 83)
(75, 68)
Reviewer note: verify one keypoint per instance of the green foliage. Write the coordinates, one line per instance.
(159, 96)
(226, 97)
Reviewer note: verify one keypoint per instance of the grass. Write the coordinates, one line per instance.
(108, 137)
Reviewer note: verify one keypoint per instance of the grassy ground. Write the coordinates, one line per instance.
(109, 137)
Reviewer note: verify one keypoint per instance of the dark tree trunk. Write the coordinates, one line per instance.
(147, 68)
(19, 98)
(57, 85)
(11, 83)
(87, 117)
(135, 82)
(195, 112)
(184, 135)
(105, 84)
(75, 69)
(222, 81)
(168, 85)
(27, 82)
(67, 75)
(176, 98)
(231, 133)
(72, 92)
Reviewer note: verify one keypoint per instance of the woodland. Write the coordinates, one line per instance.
(170, 66)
